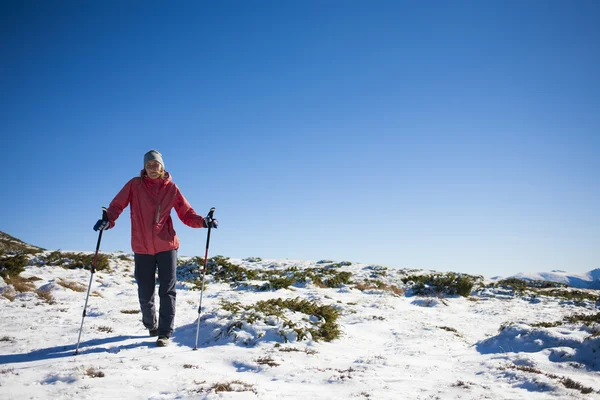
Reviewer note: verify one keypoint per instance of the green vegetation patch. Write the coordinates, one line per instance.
(75, 260)
(12, 264)
(222, 270)
(318, 323)
(521, 285)
(576, 295)
(449, 283)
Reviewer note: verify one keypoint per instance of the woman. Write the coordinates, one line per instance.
(151, 197)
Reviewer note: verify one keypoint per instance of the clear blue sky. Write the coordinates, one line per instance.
(451, 135)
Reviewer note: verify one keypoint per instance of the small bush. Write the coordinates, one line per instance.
(449, 284)
(94, 373)
(327, 329)
(13, 265)
(277, 283)
(517, 285)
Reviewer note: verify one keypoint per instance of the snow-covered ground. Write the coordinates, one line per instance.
(392, 346)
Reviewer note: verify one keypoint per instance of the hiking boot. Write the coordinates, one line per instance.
(153, 332)
(162, 341)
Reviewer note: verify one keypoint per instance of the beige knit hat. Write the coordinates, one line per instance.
(153, 155)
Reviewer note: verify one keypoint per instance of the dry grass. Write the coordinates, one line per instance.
(74, 286)
(105, 329)
(130, 311)
(96, 293)
(21, 285)
(190, 366)
(45, 295)
(94, 373)
(380, 286)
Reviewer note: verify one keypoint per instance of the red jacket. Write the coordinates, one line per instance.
(151, 202)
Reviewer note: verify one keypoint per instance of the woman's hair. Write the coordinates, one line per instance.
(162, 173)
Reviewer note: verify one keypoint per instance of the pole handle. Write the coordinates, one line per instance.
(211, 212)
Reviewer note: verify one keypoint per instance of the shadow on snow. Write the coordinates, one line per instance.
(89, 347)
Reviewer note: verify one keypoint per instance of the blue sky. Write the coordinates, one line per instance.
(458, 136)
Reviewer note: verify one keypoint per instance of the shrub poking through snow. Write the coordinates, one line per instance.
(450, 284)
(74, 260)
(291, 319)
(13, 265)
(514, 284)
(94, 373)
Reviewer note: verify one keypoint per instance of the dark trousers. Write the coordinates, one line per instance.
(145, 270)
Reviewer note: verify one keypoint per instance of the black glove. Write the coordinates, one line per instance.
(102, 225)
(208, 221)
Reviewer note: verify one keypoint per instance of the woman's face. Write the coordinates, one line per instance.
(153, 169)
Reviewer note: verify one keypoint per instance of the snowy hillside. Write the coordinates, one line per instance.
(586, 280)
(9, 243)
(283, 329)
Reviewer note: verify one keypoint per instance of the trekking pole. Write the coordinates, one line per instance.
(210, 215)
(105, 218)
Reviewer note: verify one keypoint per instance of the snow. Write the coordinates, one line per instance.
(392, 346)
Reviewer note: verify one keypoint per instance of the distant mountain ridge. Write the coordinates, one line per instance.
(584, 280)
